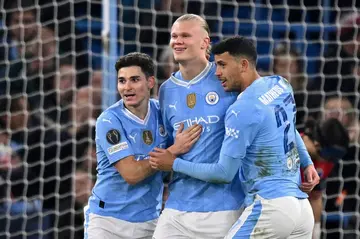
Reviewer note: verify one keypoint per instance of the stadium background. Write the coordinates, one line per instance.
(57, 73)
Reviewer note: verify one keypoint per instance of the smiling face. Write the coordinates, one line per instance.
(134, 86)
(189, 40)
(229, 71)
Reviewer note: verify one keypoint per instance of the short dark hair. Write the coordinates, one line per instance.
(142, 60)
(237, 46)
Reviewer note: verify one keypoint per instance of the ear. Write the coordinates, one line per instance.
(151, 82)
(205, 43)
(245, 64)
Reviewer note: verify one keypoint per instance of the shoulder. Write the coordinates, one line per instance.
(245, 110)
(110, 115)
(154, 104)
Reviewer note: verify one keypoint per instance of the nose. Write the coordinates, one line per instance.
(178, 40)
(218, 72)
(127, 85)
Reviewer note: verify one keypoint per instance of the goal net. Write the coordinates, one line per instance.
(57, 74)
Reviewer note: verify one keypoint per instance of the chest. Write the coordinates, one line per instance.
(143, 138)
(197, 105)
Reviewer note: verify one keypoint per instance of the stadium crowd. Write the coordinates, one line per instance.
(50, 97)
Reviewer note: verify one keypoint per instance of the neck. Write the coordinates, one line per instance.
(252, 76)
(189, 70)
(139, 110)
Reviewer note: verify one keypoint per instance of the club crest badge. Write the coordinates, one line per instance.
(113, 136)
(191, 100)
(162, 131)
(212, 98)
(147, 137)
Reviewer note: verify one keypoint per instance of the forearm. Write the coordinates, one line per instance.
(134, 171)
(316, 205)
(305, 159)
(142, 170)
(221, 172)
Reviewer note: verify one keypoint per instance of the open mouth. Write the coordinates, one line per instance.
(129, 96)
(179, 49)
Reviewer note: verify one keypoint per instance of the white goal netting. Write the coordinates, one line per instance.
(56, 72)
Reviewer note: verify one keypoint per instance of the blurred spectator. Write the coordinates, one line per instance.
(50, 162)
(173, 6)
(338, 66)
(327, 142)
(86, 107)
(59, 94)
(167, 64)
(83, 186)
(288, 63)
(22, 24)
(340, 108)
(85, 173)
(13, 188)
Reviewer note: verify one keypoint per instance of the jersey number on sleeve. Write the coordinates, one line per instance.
(280, 112)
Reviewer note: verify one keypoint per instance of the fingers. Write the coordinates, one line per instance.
(160, 150)
(306, 188)
(153, 163)
(195, 132)
(194, 140)
(180, 129)
(191, 128)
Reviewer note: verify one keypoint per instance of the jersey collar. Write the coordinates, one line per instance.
(133, 117)
(195, 80)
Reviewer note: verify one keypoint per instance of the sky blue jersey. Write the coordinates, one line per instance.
(261, 144)
(260, 130)
(119, 134)
(201, 100)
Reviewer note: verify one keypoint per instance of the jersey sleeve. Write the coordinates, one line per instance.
(110, 136)
(241, 126)
(305, 159)
(165, 120)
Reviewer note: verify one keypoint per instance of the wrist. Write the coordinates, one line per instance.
(173, 150)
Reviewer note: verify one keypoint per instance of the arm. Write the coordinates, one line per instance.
(221, 172)
(317, 205)
(232, 151)
(110, 137)
(305, 159)
(134, 171)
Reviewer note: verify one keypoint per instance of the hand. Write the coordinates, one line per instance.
(311, 177)
(161, 159)
(185, 139)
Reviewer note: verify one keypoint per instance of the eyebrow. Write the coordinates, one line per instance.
(131, 77)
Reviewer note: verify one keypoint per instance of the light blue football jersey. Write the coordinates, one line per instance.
(201, 100)
(119, 134)
(260, 130)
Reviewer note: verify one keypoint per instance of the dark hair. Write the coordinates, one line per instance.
(142, 60)
(237, 46)
(330, 134)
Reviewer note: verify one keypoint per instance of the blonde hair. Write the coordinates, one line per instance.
(204, 25)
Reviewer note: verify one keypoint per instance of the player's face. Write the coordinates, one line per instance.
(228, 70)
(133, 86)
(188, 40)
